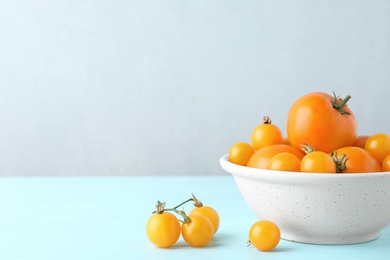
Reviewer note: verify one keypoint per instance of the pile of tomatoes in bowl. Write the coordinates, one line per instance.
(322, 137)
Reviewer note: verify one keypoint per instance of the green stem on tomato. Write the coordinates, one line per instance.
(306, 148)
(194, 199)
(339, 161)
(340, 106)
(197, 203)
(181, 204)
(186, 219)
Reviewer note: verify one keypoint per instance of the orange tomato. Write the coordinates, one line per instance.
(358, 160)
(321, 120)
(361, 141)
(261, 158)
(240, 153)
(285, 162)
(378, 145)
(266, 134)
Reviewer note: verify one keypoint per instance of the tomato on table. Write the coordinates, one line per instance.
(163, 229)
(206, 211)
(197, 230)
(264, 235)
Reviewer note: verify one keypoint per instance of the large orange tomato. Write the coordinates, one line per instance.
(261, 158)
(356, 160)
(321, 120)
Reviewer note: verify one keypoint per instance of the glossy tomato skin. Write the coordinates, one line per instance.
(386, 164)
(378, 145)
(313, 120)
(266, 134)
(209, 213)
(318, 162)
(358, 160)
(163, 229)
(199, 231)
(285, 162)
(240, 153)
(261, 158)
(264, 235)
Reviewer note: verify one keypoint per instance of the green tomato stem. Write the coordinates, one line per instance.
(341, 106)
(340, 161)
(306, 148)
(196, 202)
(181, 204)
(186, 219)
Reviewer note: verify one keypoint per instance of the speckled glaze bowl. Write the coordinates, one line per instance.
(317, 208)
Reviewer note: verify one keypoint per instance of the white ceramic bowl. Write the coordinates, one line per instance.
(317, 208)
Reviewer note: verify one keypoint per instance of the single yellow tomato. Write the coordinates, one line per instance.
(240, 153)
(163, 229)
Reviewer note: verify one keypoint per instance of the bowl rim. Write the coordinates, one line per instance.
(244, 171)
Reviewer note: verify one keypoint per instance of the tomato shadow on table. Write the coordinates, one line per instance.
(217, 241)
(281, 248)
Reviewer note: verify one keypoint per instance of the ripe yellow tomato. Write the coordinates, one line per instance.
(386, 164)
(163, 229)
(285, 162)
(198, 231)
(266, 134)
(209, 213)
(378, 145)
(318, 162)
(240, 153)
(264, 235)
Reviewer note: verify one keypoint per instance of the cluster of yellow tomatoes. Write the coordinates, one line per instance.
(197, 228)
(321, 138)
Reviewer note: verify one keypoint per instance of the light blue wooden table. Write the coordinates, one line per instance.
(104, 218)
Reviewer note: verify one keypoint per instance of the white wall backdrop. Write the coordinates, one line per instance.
(99, 87)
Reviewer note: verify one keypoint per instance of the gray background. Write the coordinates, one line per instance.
(165, 87)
